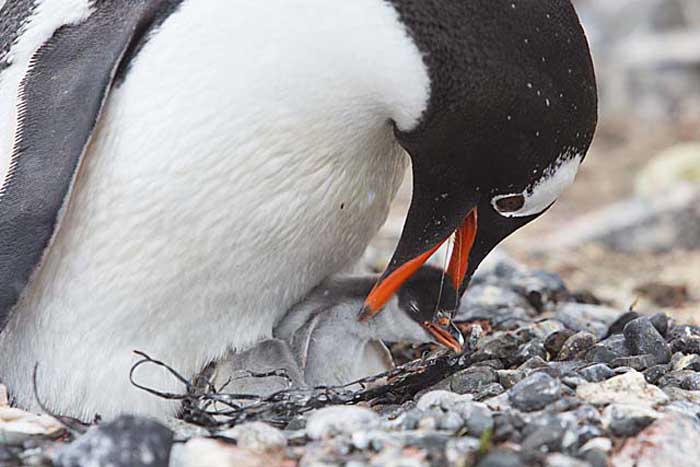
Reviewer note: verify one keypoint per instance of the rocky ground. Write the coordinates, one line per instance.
(549, 378)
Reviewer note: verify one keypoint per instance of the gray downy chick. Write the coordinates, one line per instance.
(321, 342)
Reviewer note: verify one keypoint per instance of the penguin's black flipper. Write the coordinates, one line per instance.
(61, 98)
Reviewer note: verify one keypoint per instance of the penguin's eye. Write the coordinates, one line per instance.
(511, 203)
(413, 306)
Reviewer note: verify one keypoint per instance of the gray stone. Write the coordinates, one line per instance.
(545, 437)
(686, 344)
(125, 442)
(661, 322)
(532, 349)
(472, 380)
(497, 347)
(642, 338)
(502, 458)
(619, 325)
(656, 372)
(509, 378)
(625, 420)
(596, 373)
(492, 390)
(555, 341)
(576, 345)
(636, 362)
(463, 451)
(608, 350)
(676, 378)
(535, 392)
(687, 362)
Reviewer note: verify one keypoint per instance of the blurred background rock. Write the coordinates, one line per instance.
(628, 231)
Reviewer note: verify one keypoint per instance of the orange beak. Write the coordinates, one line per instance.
(442, 336)
(459, 264)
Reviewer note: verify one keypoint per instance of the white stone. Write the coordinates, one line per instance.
(16, 426)
(336, 420)
(203, 452)
(257, 436)
(441, 399)
(629, 388)
(673, 440)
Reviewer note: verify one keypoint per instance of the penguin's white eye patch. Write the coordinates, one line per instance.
(542, 193)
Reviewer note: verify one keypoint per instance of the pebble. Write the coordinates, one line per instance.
(687, 362)
(562, 460)
(473, 379)
(628, 388)
(127, 441)
(501, 458)
(596, 373)
(204, 452)
(642, 338)
(18, 426)
(336, 420)
(619, 325)
(555, 341)
(535, 392)
(636, 362)
(656, 372)
(686, 344)
(608, 350)
(463, 451)
(257, 436)
(576, 345)
(626, 420)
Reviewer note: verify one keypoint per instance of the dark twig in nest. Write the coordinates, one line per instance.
(395, 386)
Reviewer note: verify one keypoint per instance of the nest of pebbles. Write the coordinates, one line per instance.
(550, 378)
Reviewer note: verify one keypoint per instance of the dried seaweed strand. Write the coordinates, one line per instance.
(395, 386)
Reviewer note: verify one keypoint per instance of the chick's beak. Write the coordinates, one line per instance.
(390, 283)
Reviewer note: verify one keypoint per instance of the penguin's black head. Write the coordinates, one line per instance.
(512, 112)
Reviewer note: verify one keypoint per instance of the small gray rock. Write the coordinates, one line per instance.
(608, 350)
(492, 390)
(596, 373)
(502, 458)
(257, 436)
(686, 345)
(127, 441)
(687, 362)
(636, 362)
(576, 345)
(628, 420)
(656, 372)
(472, 380)
(555, 341)
(509, 378)
(642, 338)
(535, 392)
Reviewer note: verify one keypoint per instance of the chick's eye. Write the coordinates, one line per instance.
(510, 203)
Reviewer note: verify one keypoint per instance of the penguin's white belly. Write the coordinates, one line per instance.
(208, 204)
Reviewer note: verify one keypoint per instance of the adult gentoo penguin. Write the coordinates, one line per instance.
(176, 174)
